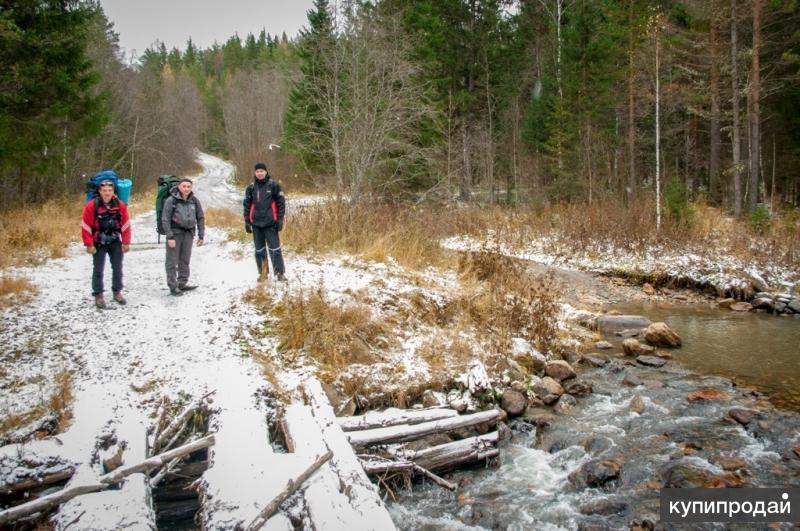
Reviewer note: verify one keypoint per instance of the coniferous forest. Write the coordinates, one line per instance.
(493, 102)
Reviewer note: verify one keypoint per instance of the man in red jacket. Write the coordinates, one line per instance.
(106, 230)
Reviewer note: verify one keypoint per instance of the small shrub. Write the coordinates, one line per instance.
(760, 219)
(676, 200)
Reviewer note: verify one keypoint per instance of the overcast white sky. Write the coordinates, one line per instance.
(140, 23)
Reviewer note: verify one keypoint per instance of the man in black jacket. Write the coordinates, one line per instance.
(264, 209)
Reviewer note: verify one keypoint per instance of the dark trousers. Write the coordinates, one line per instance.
(114, 252)
(178, 257)
(266, 240)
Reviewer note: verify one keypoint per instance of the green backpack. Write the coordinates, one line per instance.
(165, 185)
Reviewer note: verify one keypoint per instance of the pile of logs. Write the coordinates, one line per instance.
(379, 438)
(384, 432)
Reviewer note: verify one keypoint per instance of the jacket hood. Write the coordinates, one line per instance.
(174, 192)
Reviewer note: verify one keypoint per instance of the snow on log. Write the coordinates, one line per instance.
(38, 481)
(51, 500)
(394, 417)
(410, 433)
(361, 492)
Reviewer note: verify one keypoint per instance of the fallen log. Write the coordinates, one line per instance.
(451, 455)
(438, 458)
(51, 500)
(374, 468)
(292, 485)
(362, 494)
(436, 479)
(162, 417)
(406, 433)
(164, 471)
(35, 482)
(170, 434)
(389, 467)
(394, 417)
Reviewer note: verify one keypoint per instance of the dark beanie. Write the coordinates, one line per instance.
(261, 166)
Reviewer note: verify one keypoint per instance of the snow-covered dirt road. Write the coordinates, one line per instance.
(157, 344)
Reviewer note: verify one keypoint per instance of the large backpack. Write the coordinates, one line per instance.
(165, 185)
(93, 183)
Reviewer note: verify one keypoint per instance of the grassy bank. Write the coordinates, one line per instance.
(410, 234)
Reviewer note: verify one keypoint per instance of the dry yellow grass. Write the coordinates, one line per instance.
(142, 203)
(37, 233)
(334, 336)
(227, 220)
(59, 403)
(15, 290)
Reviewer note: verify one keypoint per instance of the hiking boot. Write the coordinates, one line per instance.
(187, 287)
(281, 277)
(100, 301)
(119, 299)
(176, 292)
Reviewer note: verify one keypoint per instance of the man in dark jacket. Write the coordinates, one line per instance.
(181, 217)
(264, 209)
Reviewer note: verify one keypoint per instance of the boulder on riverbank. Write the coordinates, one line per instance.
(513, 402)
(547, 389)
(661, 335)
(559, 370)
(631, 347)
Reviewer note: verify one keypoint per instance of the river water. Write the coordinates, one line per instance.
(673, 441)
(757, 349)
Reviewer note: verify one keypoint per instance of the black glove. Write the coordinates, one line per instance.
(248, 228)
(279, 225)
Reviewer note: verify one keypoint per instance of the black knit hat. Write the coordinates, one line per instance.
(261, 166)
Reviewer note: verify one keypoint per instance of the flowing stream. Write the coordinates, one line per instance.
(674, 441)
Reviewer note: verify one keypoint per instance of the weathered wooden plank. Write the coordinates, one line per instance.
(328, 506)
(361, 492)
(394, 417)
(292, 486)
(395, 434)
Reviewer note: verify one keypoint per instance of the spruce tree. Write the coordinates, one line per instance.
(304, 120)
(46, 85)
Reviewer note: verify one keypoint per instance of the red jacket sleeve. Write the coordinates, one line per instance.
(87, 222)
(125, 220)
